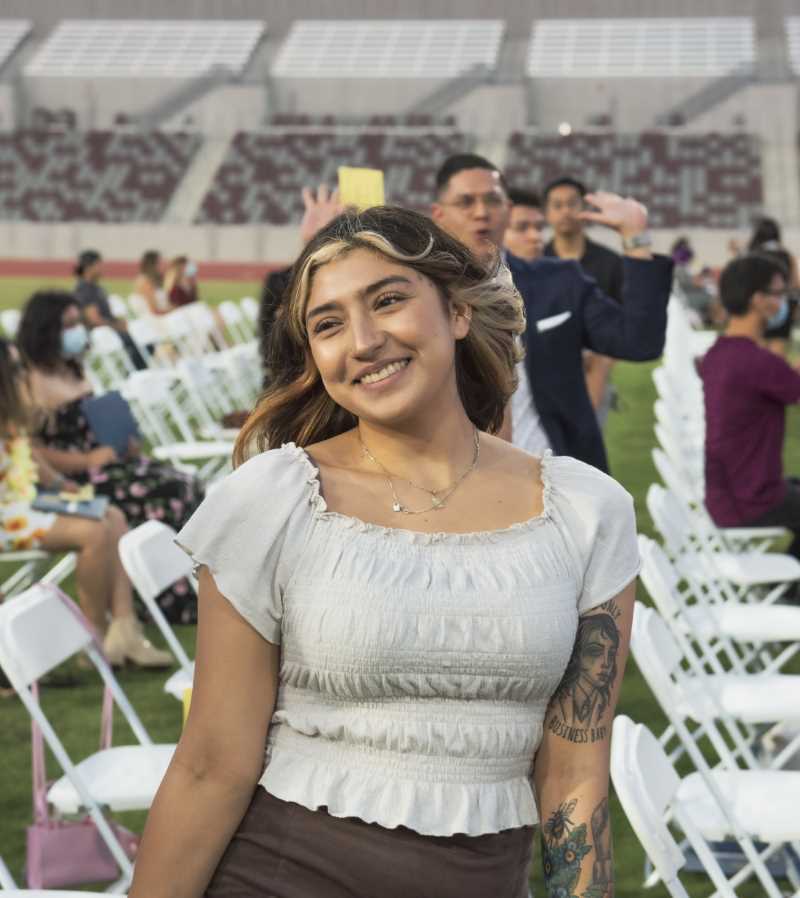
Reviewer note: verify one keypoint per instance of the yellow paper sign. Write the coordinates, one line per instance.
(187, 702)
(361, 187)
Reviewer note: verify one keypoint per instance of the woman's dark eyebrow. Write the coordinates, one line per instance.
(367, 291)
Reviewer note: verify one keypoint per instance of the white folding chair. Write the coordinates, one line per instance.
(741, 633)
(235, 322)
(249, 308)
(10, 319)
(119, 308)
(171, 426)
(107, 361)
(706, 808)
(769, 799)
(40, 629)
(691, 493)
(700, 547)
(154, 562)
(138, 305)
(731, 709)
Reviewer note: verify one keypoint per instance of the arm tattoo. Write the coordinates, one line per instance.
(584, 694)
(564, 848)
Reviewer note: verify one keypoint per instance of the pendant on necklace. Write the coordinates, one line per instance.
(437, 502)
(397, 507)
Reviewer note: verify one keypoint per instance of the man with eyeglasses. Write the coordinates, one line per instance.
(746, 391)
(566, 311)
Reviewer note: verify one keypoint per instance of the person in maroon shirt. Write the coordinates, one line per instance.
(747, 389)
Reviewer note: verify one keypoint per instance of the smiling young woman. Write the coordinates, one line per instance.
(397, 673)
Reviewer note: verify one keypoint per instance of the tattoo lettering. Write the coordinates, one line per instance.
(584, 693)
(577, 735)
(564, 848)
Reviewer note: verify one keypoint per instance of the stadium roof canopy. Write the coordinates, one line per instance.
(635, 48)
(114, 48)
(793, 40)
(12, 31)
(388, 48)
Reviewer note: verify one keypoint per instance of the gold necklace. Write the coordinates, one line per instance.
(438, 497)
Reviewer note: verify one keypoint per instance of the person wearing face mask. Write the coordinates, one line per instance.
(52, 340)
(747, 389)
(103, 588)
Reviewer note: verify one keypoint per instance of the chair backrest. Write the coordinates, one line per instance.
(249, 308)
(119, 308)
(683, 695)
(10, 318)
(153, 562)
(659, 577)
(151, 558)
(670, 529)
(138, 305)
(106, 339)
(40, 629)
(37, 633)
(150, 394)
(646, 785)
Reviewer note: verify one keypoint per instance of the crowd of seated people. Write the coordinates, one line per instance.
(103, 588)
(52, 340)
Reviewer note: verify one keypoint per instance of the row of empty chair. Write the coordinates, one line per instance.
(262, 175)
(702, 180)
(91, 176)
(705, 180)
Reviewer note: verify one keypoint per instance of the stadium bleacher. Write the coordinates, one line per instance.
(704, 180)
(261, 177)
(93, 176)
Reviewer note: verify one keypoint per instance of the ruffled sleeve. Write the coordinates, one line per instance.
(249, 532)
(599, 524)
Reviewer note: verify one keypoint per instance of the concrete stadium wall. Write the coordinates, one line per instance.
(250, 247)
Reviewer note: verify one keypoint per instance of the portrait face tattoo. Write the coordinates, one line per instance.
(585, 690)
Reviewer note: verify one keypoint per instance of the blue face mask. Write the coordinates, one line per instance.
(74, 340)
(779, 318)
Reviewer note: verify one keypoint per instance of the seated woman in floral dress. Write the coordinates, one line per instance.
(104, 590)
(52, 341)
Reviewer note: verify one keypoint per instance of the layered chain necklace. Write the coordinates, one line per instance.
(438, 497)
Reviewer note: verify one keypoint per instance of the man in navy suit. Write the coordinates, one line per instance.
(566, 311)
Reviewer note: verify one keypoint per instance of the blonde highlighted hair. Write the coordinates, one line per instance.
(295, 407)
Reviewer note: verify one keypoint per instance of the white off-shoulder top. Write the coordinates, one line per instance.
(415, 668)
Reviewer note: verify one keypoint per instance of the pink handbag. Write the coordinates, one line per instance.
(69, 852)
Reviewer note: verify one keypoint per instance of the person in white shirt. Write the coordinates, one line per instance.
(390, 607)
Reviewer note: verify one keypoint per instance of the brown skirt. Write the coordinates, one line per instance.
(283, 850)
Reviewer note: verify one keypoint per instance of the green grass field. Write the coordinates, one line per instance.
(15, 291)
(75, 708)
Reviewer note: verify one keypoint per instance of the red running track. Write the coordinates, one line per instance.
(63, 268)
